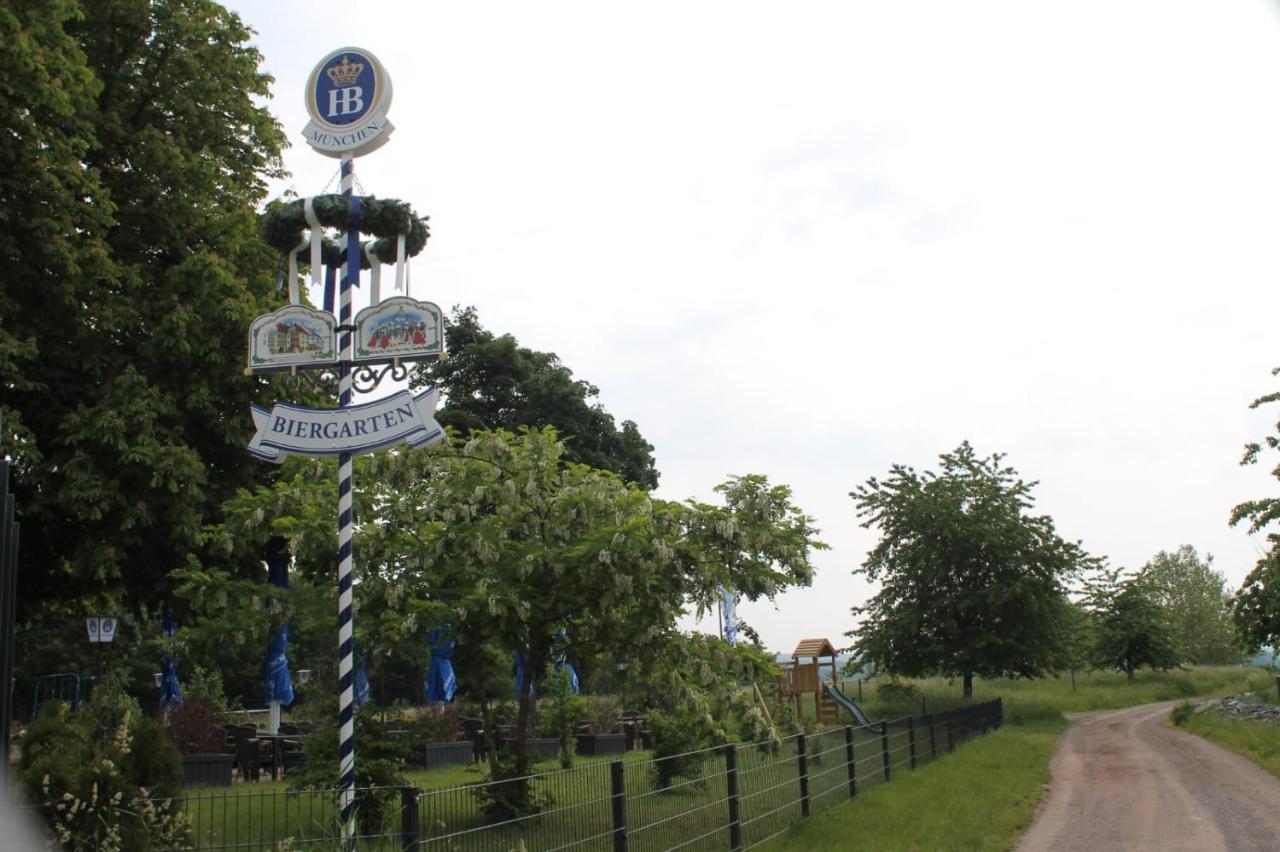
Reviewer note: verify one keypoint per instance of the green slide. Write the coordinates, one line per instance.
(852, 707)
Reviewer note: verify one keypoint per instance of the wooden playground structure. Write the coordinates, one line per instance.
(804, 675)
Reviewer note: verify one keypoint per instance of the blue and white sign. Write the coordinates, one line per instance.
(101, 629)
(348, 94)
(294, 430)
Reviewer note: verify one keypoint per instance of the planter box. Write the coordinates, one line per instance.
(207, 770)
(437, 755)
(540, 748)
(594, 745)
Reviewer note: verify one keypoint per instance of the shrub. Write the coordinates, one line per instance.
(897, 692)
(380, 764)
(196, 728)
(1183, 713)
(436, 723)
(565, 711)
(96, 773)
(205, 686)
(505, 796)
(604, 713)
(679, 740)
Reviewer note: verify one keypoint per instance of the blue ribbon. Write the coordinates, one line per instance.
(361, 688)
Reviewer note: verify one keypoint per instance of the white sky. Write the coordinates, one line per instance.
(810, 240)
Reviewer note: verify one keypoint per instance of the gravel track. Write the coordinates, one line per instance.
(1124, 780)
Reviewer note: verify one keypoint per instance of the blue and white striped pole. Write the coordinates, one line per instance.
(346, 703)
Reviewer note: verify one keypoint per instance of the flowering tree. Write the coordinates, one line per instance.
(506, 541)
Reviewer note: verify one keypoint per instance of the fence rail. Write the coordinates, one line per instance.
(730, 797)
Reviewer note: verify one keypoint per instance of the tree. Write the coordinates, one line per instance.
(492, 382)
(1132, 630)
(135, 151)
(971, 582)
(1193, 598)
(511, 544)
(1257, 602)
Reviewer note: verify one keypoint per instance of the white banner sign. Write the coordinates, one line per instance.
(293, 430)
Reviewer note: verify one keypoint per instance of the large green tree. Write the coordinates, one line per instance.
(1194, 599)
(1131, 629)
(1257, 602)
(972, 583)
(492, 382)
(135, 149)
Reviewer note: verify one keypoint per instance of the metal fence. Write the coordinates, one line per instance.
(728, 797)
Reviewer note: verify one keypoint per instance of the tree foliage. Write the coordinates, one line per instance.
(971, 582)
(1194, 600)
(134, 153)
(492, 382)
(1132, 630)
(501, 537)
(1257, 602)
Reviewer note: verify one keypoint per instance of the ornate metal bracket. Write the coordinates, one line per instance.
(366, 377)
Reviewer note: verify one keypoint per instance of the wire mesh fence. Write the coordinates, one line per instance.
(729, 797)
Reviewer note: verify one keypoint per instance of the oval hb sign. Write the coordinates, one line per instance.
(347, 95)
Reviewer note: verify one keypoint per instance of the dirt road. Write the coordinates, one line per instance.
(1123, 780)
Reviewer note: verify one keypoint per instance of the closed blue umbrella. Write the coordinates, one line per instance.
(564, 665)
(520, 659)
(440, 683)
(277, 685)
(170, 692)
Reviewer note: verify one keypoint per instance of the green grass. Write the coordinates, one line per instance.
(984, 795)
(1258, 741)
(1047, 698)
(980, 797)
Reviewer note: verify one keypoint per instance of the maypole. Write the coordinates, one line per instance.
(346, 638)
(347, 96)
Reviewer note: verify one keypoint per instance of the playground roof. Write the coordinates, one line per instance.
(814, 648)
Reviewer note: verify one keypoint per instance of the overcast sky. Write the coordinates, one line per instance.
(811, 240)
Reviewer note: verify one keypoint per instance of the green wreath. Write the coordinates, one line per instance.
(284, 223)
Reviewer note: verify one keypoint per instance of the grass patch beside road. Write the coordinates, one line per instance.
(1258, 741)
(981, 797)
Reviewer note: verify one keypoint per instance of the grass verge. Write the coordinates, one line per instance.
(1258, 741)
(981, 797)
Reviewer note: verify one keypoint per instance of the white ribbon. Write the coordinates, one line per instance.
(317, 238)
(400, 267)
(375, 273)
(293, 271)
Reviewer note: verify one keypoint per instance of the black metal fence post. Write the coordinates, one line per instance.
(884, 747)
(911, 739)
(933, 741)
(619, 802)
(803, 758)
(731, 782)
(410, 829)
(850, 761)
(951, 743)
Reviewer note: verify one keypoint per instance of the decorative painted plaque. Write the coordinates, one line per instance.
(293, 336)
(399, 327)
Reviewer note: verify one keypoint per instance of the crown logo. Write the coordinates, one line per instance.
(345, 74)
